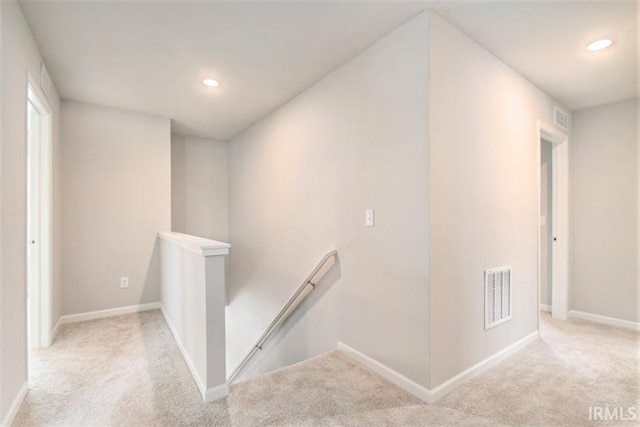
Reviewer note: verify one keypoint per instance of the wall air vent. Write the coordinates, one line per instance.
(560, 118)
(45, 81)
(497, 290)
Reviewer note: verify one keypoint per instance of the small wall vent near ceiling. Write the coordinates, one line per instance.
(45, 81)
(560, 118)
(497, 290)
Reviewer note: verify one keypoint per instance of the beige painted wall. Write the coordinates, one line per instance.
(546, 229)
(199, 187)
(483, 172)
(17, 44)
(117, 187)
(604, 210)
(300, 181)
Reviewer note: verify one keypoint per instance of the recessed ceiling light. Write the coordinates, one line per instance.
(210, 83)
(599, 45)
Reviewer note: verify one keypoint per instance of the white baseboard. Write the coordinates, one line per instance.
(545, 307)
(56, 329)
(215, 393)
(15, 406)
(432, 395)
(627, 324)
(395, 377)
(185, 355)
(91, 315)
(208, 395)
(464, 376)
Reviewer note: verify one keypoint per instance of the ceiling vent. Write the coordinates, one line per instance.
(560, 118)
(45, 81)
(497, 290)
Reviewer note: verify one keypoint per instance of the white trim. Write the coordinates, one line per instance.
(100, 314)
(195, 244)
(216, 393)
(41, 303)
(433, 395)
(638, 215)
(208, 395)
(15, 406)
(626, 324)
(472, 372)
(549, 133)
(56, 329)
(185, 354)
(545, 307)
(395, 377)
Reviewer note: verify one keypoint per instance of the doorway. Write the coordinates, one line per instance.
(553, 240)
(38, 146)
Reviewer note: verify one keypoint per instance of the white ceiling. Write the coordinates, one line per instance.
(545, 42)
(151, 56)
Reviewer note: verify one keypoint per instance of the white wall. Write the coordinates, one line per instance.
(300, 181)
(199, 187)
(19, 56)
(117, 187)
(193, 299)
(604, 210)
(484, 159)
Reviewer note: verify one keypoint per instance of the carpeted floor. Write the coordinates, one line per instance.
(127, 371)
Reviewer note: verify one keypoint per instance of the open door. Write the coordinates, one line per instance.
(559, 234)
(39, 278)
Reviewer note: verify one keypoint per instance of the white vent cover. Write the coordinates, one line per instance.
(45, 81)
(560, 118)
(497, 290)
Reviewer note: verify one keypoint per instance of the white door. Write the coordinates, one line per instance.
(33, 225)
(38, 244)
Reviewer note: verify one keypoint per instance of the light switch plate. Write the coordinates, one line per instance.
(369, 218)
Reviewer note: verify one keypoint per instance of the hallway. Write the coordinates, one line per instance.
(127, 370)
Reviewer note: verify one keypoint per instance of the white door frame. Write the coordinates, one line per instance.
(560, 219)
(39, 249)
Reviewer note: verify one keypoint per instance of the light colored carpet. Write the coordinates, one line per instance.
(127, 371)
(574, 365)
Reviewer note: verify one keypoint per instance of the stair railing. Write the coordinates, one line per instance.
(303, 291)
